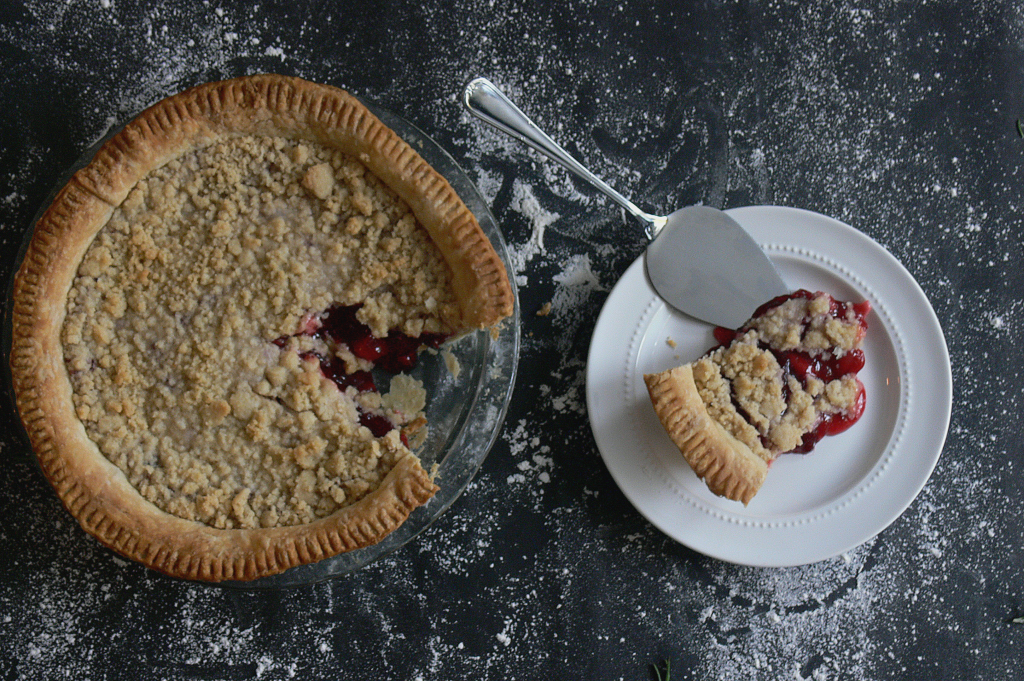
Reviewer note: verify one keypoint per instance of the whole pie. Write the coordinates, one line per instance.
(780, 383)
(204, 314)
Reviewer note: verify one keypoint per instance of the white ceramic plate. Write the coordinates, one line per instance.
(814, 506)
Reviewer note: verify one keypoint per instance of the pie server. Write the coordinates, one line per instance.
(700, 260)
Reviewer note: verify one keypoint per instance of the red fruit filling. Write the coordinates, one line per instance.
(826, 366)
(393, 354)
(833, 424)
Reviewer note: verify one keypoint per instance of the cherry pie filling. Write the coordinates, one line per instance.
(828, 365)
(395, 353)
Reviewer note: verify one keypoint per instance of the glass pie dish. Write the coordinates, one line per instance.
(465, 408)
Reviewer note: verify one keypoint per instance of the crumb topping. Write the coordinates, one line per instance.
(748, 393)
(170, 322)
(809, 324)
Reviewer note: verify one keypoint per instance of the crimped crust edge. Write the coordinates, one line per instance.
(728, 467)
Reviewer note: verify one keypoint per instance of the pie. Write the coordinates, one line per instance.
(205, 311)
(778, 384)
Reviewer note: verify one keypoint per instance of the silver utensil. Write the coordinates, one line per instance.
(700, 261)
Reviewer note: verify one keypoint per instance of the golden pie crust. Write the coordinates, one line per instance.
(92, 488)
(728, 467)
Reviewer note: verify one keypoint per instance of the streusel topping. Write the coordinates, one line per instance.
(746, 391)
(812, 324)
(170, 325)
(789, 370)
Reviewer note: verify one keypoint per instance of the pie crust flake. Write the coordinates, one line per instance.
(784, 380)
(197, 316)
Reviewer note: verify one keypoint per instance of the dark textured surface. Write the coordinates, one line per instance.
(895, 118)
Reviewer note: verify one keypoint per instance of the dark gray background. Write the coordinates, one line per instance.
(897, 118)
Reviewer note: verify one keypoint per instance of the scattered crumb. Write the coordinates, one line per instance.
(544, 310)
(452, 362)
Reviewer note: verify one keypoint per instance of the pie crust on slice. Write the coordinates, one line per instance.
(197, 313)
(784, 380)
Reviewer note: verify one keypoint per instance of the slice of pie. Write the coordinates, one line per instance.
(783, 381)
(201, 314)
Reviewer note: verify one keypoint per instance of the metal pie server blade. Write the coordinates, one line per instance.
(703, 263)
